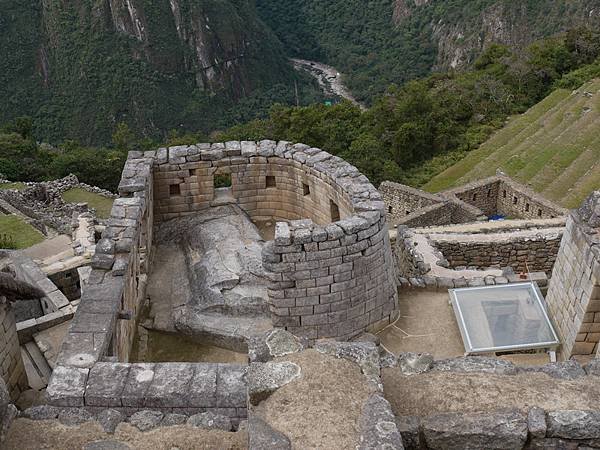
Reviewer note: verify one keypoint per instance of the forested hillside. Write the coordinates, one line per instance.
(79, 68)
(380, 42)
(554, 148)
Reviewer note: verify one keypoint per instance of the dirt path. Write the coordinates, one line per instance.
(328, 77)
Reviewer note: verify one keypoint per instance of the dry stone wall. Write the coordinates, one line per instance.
(523, 251)
(501, 195)
(574, 294)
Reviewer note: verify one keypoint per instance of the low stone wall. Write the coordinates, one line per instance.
(574, 295)
(409, 261)
(524, 251)
(532, 428)
(187, 388)
(12, 370)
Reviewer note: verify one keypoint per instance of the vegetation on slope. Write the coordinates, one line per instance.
(101, 204)
(362, 41)
(78, 71)
(554, 147)
(17, 234)
(409, 134)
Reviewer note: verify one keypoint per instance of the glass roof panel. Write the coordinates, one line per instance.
(501, 318)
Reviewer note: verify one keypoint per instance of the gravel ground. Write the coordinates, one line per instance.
(321, 408)
(26, 434)
(421, 395)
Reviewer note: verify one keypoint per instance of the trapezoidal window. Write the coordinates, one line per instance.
(515, 200)
(539, 213)
(474, 197)
(222, 180)
(174, 190)
(489, 193)
(270, 181)
(335, 211)
(305, 189)
(527, 207)
(390, 209)
(504, 194)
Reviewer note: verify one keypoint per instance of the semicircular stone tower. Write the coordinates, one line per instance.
(330, 263)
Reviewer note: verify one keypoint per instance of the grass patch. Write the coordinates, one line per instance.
(17, 186)
(101, 204)
(19, 232)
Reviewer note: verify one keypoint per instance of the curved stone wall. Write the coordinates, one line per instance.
(332, 268)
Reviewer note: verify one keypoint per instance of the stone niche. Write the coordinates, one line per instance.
(330, 263)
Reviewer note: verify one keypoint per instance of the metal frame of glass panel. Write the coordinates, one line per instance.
(467, 341)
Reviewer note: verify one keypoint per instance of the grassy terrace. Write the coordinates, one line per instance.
(554, 147)
(101, 204)
(19, 232)
(18, 186)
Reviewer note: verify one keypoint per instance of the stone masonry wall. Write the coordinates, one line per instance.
(531, 251)
(12, 370)
(574, 294)
(402, 201)
(501, 195)
(331, 280)
(267, 181)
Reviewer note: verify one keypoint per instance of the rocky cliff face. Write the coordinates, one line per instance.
(463, 32)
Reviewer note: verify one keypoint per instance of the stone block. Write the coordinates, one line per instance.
(203, 386)
(231, 386)
(105, 384)
(169, 387)
(67, 386)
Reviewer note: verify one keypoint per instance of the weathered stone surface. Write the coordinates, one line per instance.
(105, 384)
(414, 363)
(232, 386)
(574, 424)
(263, 437)
(475, 364)
(74, 416)
(210, 420)
(281, 343)
(365, 354)
(7, 410)
(536, 422)
(106, 445)
(67, 386)
(266, 378)
(387, 359)
(409, 428)
(172, 419)
(593, 367)
(41, 412)
(109, 419)
(462, 431)
(378, 428)
(567, 370)
(146, 419)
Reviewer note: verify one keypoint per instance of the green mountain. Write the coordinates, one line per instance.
(80, 67)
(554, 147)
(378, 42)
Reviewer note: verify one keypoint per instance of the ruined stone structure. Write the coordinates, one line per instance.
(574, 295)
(501, 195)
(498, 195)
(331, 267)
